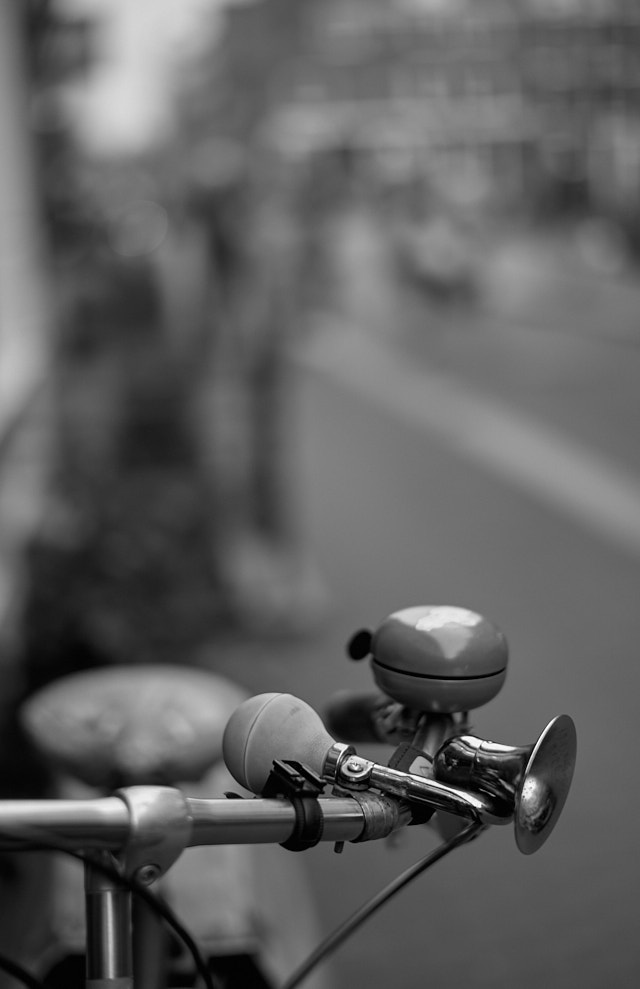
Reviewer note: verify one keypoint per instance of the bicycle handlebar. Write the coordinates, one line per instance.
(430, 663)
(108, 823)
(469, 777)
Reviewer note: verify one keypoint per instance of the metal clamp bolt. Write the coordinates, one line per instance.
(147, 874)
(355, 771)
(355, 765)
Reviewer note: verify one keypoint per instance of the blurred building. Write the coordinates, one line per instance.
(581, 72)
(518, 103)
(421, 87)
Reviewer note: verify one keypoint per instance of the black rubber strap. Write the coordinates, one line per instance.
(301, 787)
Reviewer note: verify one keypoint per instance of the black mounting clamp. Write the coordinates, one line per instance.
(301, 787)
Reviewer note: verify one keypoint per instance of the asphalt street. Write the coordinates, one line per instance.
(404, 500)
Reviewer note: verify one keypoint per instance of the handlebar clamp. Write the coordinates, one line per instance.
(301, 787)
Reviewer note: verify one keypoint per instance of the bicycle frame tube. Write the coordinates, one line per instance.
(108, 943)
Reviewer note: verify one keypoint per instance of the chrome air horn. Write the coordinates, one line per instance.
(532, 781)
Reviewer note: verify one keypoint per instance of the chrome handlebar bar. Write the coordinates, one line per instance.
(120, 823)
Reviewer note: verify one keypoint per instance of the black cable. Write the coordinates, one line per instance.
(158, 905)
(21, 974)
(341, 933)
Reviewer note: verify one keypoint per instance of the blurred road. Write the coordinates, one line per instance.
(489, 460)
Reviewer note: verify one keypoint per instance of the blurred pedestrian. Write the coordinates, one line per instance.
(245, 410)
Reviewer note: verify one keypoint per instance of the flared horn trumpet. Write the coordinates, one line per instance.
(533, 781)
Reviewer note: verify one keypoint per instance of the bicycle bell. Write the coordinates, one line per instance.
(435, 658)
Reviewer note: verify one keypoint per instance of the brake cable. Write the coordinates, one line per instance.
(362, 914)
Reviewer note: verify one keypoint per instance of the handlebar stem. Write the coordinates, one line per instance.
(160, 827)
(109, 957)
